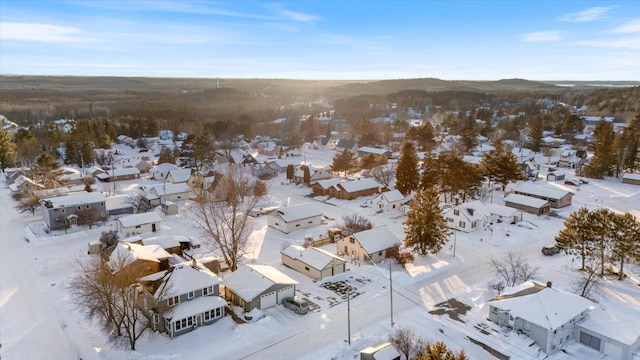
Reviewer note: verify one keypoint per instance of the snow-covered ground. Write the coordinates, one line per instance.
(38, 320)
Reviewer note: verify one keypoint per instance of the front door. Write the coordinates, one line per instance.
(153, 227)
(198, 320)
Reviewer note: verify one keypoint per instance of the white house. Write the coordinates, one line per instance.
(467, 217)
(369, 245)
(301, 216)
(313, 262)
(258, 287)
(158, 194)
(505, 214)
(176, 176)
(138, 223)
(388, 201)
(161, 171)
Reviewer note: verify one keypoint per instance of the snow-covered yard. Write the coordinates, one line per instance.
(38, 319)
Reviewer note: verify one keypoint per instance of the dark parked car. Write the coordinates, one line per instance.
(300, 306)
(550, 249)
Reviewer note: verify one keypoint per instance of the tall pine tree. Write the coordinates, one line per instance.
(426, 229)
(603, 159)
(407, 176)
(7, 150)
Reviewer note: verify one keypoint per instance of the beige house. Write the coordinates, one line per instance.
(313, 262)
(296, 217)
(369, 246)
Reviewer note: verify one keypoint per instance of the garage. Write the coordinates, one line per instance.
(613, 351)
(285, 292)
(268, 300)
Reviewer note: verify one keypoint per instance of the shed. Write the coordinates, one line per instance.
(313, 262)
(170, 208)
(119, 204)
(527, 204)
(633, 179)
(296, 217)
(138, 223)
(557, 198)
(506, 214)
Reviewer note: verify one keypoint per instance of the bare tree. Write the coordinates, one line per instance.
(384, 174)
(227, 225)
(111, 297)
(88, 216)
(404, 340)
(29, 202)
(139, 204)
(513, 269)
(356, 223)
(589, 284)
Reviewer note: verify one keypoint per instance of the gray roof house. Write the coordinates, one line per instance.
(369, 245)
(543, 313)
(313, 262)
(388, 201)
(258, 287)
(72, 209)
(119, 204)
(296, 217)
(350, 145)
(176, 176)
(183, 298)
(556, 197)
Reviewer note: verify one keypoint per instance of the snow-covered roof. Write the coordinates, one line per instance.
(180, 175)
(614, 323)
(544, 192)
(631, 176)
(525, 200)
(597, 118)
(359, 185)
(126, 253)
(549, 307)
(299, 212)
(250, 281)
(119, 172)
(75, 199)
(500, 210)
(474, 210)
(284, 162)
(314, 257)
(194, 307)
(168, 189)
(392, 196)
(140, 219)
(182, 279)
(373, 150)
(326, 184)
(164, 241)
(163, 168)
(118, 202)
(376, 239)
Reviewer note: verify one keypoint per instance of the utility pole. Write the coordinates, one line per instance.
(455, 236)
(391, 293)
(349, 315)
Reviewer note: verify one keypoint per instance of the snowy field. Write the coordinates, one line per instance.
(38, 320)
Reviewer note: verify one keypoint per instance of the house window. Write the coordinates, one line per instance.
(297, 225)
(494, 310)
(191, 294)
(207, 315)
(473, 224)
(138, 226)
(380, 253)
(310, 222)
(156, 318)
(352, 240)
(174, 300)
(277, 224)
(589, 340)
(63, 210)
(87, 206)
(208, 290)
(78, 207)
(218, 312)
(449, 219)
(190, 321)
(102, 204)
(306, 268)
(456, 212)
(461, 224)
(526, 325)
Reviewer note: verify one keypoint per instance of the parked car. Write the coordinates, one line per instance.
(296, 304)
(572, 182)
(584, 181)
(550, 249)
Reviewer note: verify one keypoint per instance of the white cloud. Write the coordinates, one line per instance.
(542, 36)
(292, 15)
(629, 43)
(629, 27)
(41, 32)
(590, 14)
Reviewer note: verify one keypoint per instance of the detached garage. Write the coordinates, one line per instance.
(610, 332)
(258, 287)
(313, 262)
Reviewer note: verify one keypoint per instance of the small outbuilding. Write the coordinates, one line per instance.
(633, 179)
(138, 223)
(296, 217)
(170, 208)
(313, 262)
(527, 204)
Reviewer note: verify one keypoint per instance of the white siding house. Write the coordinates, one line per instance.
(467, 217)
(138, 223)
(301, 216)
(313, 262)
(369, 245)
(258, 287)
(388, 201)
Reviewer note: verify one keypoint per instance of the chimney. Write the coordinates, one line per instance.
(548, 284)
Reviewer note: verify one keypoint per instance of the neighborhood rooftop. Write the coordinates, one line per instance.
(314, 257)
(376, 239)
(139, 219)
(299, 212)
(76, 199)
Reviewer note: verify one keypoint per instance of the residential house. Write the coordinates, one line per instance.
(316, 173)
(368, 245)
(183, 298)
(556, 197)
(313, 262)
(630, 178)
(264, 171)
(119, 175)
(527, 204)
(296, 217)
(139, 259)
(375, 151)
(144, 166)
(350, 145)
(11, 174)
(350, 190)
(467, 217)
(161, 171)
(268, 148)
(572, 159)
(94, 171)
(72, 209)
(324, 187)
(504, 214)
(171, 243)
(24, 185)
(281, 164)
(176, 176)
(543, 313)
(258, 287)
(138, 223)
(119, 204)
(157, 194)
(388, 201)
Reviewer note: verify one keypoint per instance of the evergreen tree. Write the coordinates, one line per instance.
(343, 161)
(166, 156)
(626, 240)
(508, 169)
(369, 161)
(576, 235)
(440, 351)
(7, 150)
(431, 171)
(407, 176)
(631, 134)
(425, 228)
(306, 175)
(601, 223)
(290, 171)
(535, 133)
(603, 159)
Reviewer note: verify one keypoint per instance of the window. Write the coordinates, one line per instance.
(494, 310)
(589, 340)
(297, 225)
(456, 212)
(87, 206)
(190, 321)
(380, 253)
(553, 347)
(218, 312)
(156, 318)
(208, 290)
(174, 300)
(306, 268)
(461, 224)
(191, 294)
(138, 226)
(101, 204)
(78, 207)
(449, 219)
(310, 222)
(277, 224)
(352, 240)
(526, 325)
(62, 210)
(473, 224)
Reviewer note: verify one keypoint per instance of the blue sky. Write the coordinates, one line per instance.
(451, 40)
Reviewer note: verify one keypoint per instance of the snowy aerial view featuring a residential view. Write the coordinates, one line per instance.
(319, 180)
